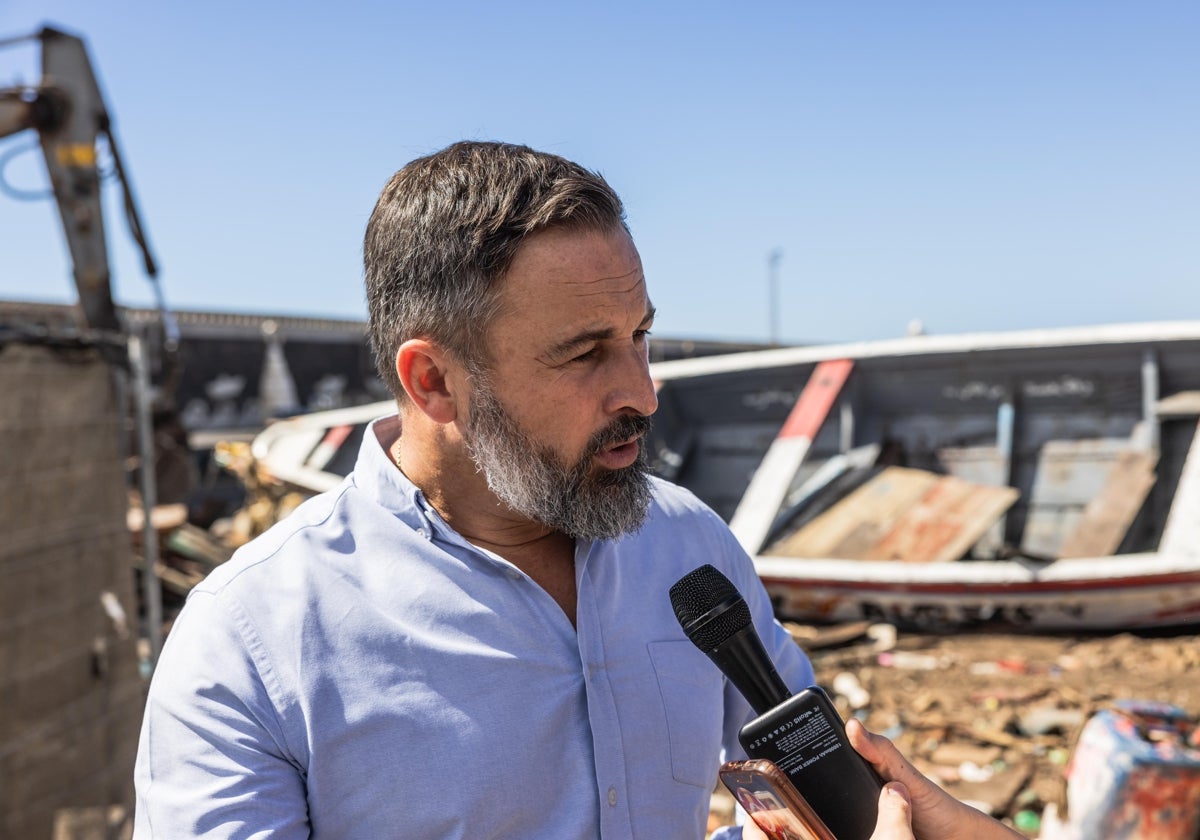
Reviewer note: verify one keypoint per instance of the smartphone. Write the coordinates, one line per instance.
(806, 739)
(765, 793)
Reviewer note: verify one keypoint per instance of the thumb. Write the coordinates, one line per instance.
(895, 814)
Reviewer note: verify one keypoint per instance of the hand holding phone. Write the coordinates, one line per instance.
(774, 804)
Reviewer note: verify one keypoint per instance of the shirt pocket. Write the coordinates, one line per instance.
(692, 690)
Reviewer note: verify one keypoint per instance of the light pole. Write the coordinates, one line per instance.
(773, 259)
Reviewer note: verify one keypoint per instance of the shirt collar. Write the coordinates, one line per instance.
(377, 474)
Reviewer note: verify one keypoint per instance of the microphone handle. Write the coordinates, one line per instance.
(743, 659)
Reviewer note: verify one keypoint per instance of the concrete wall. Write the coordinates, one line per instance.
(71, 696)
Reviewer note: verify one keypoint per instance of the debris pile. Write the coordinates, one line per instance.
(188, 552)
(995, 717)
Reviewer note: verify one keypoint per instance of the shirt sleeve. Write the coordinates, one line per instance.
(213, 759)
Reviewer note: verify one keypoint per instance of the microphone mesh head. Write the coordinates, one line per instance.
(698, 593)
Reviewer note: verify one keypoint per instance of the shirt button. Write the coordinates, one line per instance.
(612, 796)
(514, 574)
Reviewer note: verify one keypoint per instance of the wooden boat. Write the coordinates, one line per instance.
(1043, 479)
(1089, 432)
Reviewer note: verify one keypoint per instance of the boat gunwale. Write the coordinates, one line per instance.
(1160, 332)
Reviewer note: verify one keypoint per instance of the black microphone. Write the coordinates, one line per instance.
(716, 618)
(802, 733)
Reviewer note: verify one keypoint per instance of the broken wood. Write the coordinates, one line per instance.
(1182, 404)
(199, 545)
(163, 518)
(856, 523)
(1107, 517)
(902, 514)
(951, 517)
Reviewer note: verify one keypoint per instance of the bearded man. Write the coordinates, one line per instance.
(471, 637)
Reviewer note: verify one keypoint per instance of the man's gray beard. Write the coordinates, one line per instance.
(529, 478)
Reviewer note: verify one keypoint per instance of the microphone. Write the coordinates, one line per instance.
(716, 618)
(802, 733)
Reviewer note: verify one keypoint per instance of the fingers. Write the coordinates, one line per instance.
(751, 831)
(895, 814)
(876, 749)
(880, 753)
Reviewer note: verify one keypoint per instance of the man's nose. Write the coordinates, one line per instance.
(633, 389)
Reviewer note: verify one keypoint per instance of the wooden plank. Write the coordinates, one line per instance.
(987, 465)
(1069, 475)
(1108, 516)
(768, 488)
(951, 517)
(1182, 404)
(853, 525)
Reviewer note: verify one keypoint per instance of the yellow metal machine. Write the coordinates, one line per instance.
(67, 111)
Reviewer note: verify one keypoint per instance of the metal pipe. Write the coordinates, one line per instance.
(151, 591)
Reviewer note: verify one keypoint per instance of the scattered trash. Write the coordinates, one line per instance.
(848, 686)
(883, 636)
(1012, 705)
(969, 771)
(116, 613)
(1135, 775)
(812, 637)
(1027, 821)
(1041, 720)
(909, 661)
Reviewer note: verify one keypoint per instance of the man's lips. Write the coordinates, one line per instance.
(619, 455)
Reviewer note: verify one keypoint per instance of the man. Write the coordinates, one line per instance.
(472, 635)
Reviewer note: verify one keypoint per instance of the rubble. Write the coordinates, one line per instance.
(994, 717)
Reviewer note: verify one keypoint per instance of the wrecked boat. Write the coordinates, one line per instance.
(1043, 479)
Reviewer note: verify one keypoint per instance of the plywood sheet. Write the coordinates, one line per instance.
(1107, 517)
(853, 525)
(903, 514)
(1069, 475)
(951, 517)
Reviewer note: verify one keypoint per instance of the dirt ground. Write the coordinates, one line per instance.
(993, 717)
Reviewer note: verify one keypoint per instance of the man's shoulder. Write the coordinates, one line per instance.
(674, 500)
(292, 548)
(677, 513)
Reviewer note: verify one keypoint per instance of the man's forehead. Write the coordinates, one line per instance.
(562, 264)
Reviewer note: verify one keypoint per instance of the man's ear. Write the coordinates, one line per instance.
(424, 369)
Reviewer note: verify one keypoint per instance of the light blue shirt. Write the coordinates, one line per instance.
(362, 671)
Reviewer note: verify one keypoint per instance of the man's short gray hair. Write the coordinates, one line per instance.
(446, 228)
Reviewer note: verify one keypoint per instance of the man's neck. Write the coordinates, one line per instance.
(459, 493)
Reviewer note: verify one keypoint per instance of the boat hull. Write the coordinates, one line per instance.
(1131, 592)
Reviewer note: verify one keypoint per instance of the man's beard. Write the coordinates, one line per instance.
(530, 478)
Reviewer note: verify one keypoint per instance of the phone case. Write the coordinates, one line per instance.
(806, 738)
(772, 801)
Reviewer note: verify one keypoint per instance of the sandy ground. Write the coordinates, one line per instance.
(993, 717)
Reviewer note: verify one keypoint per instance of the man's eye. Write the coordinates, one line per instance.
(641, 335)
(584, 356)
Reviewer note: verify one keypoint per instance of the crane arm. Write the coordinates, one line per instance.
(68, 113)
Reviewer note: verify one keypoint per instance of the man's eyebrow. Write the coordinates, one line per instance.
(567, 345)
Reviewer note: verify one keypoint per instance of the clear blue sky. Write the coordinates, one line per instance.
(976, 165)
